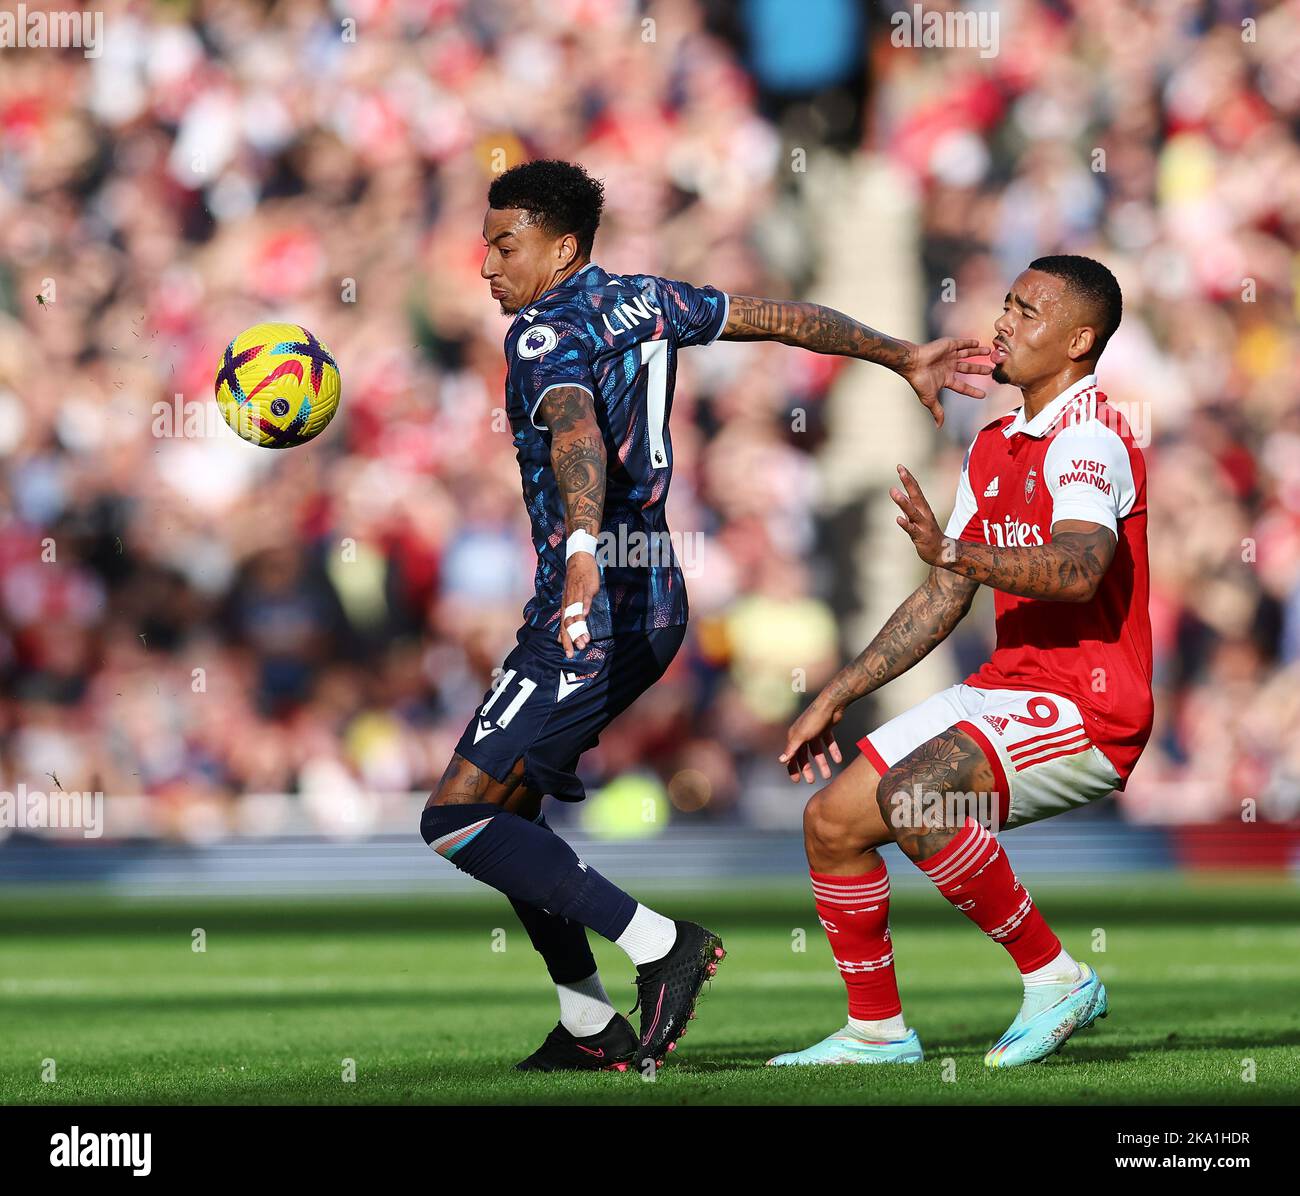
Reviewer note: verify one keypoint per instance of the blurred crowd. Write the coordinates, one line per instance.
(188, 617)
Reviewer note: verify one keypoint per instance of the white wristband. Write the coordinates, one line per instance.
(580, 541)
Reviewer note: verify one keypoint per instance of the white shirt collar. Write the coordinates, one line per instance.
(1039, 425)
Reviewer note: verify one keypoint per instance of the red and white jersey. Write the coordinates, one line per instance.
(1075, 459)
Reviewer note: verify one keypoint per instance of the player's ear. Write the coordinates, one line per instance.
(567, 250)
(1082, 343)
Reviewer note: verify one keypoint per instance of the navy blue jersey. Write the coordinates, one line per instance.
(617, 338)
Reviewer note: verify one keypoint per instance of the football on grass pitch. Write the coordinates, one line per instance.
(277, 385)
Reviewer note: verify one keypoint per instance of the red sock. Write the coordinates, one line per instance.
(973, 872)
(854, 912)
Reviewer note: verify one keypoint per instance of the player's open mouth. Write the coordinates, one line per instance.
(1000, 353)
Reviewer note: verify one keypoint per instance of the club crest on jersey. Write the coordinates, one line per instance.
(539, 339)
(1031, 484)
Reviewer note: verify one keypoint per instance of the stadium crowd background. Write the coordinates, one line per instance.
(189, 618)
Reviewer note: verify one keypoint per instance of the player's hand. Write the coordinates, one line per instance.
(940, 365)
(809, 740)
(581, 585)
(917, 520)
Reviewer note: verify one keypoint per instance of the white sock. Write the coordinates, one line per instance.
(1061, 970)
(649, 936)
(886, 1029)
(585, 1007)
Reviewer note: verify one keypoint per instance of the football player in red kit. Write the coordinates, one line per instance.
(1051, 514)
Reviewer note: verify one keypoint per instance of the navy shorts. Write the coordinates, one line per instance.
(549, 709)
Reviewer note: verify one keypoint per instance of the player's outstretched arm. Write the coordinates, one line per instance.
(1069, 569)
(928, 368)
(578, 459)
(923, 621)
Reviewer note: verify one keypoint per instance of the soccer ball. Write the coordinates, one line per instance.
(278, 386)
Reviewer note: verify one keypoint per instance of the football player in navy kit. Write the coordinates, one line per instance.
(592, 358)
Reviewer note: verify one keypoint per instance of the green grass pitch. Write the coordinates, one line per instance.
(1203, 978)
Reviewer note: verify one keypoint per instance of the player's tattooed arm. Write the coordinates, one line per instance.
(920, 624)
(928, 369)
(579, 460)
(1069, 569)
(812, 326)
(577, 456)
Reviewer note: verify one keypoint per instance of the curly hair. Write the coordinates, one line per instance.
(560, 198)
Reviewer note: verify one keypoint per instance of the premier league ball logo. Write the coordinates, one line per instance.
(277, 385)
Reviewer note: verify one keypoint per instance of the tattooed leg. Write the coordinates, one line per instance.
(916, 795)
(464, 783)
(965, 862)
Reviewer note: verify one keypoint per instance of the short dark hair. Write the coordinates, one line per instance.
(1093, 282)
(561, 197)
